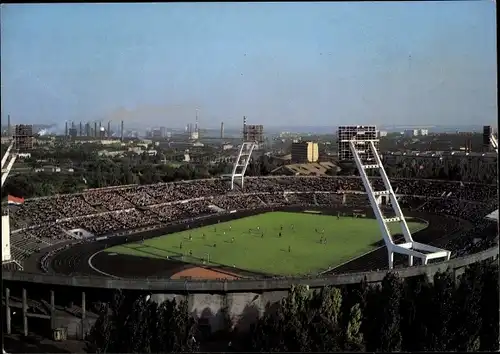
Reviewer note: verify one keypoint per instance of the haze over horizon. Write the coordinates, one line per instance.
(279, 64)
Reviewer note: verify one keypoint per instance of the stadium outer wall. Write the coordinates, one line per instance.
(244, 299)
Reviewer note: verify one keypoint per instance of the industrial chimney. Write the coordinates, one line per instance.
(121, 132)
(196, 122)
(244, 128)
(222, 130)
(109, 129)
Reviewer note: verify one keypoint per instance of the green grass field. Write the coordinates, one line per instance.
(253, 243)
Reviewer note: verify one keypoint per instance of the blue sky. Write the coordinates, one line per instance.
(295, 64)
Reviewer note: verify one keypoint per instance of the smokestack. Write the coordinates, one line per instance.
(121, 132)
(95, 130)
(222, 130)
(244, 127)
(66, 129)
(109, 129)
(196, 122)
(9, 131)
(81, 128)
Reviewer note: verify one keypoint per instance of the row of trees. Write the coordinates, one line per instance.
(398, 315)
(104, 172)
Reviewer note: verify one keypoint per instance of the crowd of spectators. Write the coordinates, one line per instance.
(108, 211)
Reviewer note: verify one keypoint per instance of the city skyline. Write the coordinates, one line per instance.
(281, 64)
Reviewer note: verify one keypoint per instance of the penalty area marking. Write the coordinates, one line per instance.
(97, 270)
(425, 222)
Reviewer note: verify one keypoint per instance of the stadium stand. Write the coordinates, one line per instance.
(47, 221)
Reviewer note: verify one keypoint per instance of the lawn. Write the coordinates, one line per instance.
(254, 243)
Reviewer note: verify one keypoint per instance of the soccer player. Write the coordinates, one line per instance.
(180, 246)
(280, 234)
(289, 249)
(232, 239)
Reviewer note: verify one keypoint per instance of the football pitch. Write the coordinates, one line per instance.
(280, 243)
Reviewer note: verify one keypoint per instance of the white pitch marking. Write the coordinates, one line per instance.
(97, 270)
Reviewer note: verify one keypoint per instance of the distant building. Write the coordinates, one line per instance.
(382, 133)
(424, 132)
(155, 134)
(73, 132)
(410, 133)
(305, 152)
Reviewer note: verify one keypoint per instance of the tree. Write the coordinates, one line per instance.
(354, 338)
(441, 309)
(390, 334)
(141, 326)
(371, 317)
(489, 308)
(176, 329)
(414, 313)
(466, 322)
(302, 322)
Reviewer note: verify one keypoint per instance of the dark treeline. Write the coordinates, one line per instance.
(398, 315)
(91, 171)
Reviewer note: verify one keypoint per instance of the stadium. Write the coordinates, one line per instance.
(227, 245)
(99, 224)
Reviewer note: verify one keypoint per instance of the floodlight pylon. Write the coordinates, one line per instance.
(241, 163)
(494, 142)
(6, 247)
(6, 156)
(409, 247)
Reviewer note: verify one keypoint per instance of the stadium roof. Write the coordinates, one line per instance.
(493, 216)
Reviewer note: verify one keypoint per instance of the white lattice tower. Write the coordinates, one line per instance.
(409, 247)
(494, 142)
(13, 157)
(6, 254)
(241, 163)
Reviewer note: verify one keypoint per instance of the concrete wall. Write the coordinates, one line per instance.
(244, 285)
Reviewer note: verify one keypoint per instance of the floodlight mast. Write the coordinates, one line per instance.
(241, 163)
(6, 252)
(494, 142)
(351, 138)
(13, 157)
